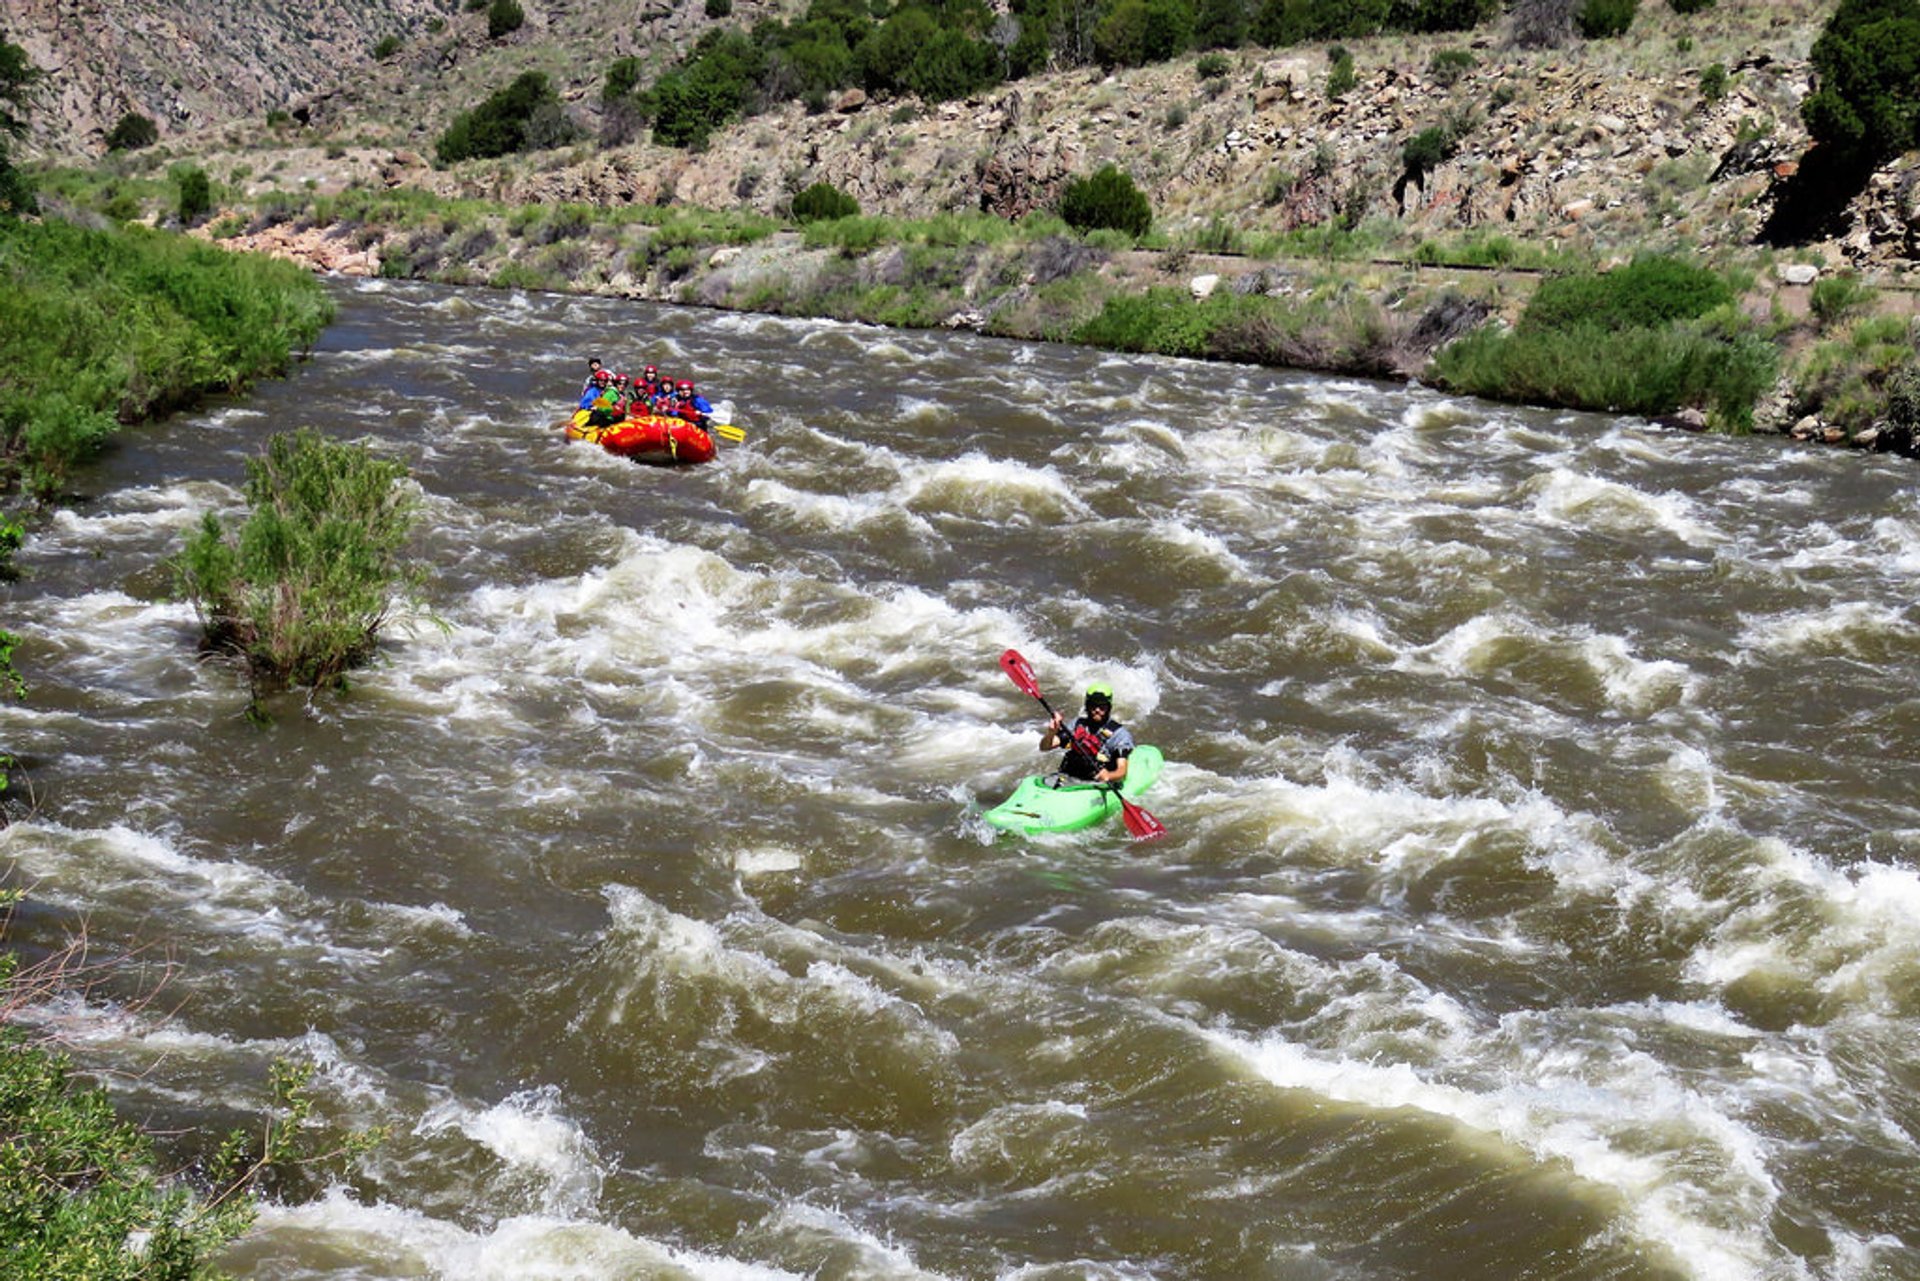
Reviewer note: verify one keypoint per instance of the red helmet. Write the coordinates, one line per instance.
(650, 371)
(685, 386)
(601, 375)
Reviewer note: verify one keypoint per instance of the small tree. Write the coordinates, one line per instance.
(1867, 105)
(1604, 19)
(304, 587)
(822, 202)
(524, 115)
(196, 193)
(1108, 199)
(18, 81)
(1425, 152)
(1341, 76)
(133, 132)
(504, 17)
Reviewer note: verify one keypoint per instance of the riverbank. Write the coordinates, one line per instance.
(1838, 340)
(112, 326)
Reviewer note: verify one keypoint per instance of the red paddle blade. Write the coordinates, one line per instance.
(1021, 671)
(1143, 826)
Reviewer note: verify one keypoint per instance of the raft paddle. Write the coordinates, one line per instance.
(727, 431)
(1143, 826)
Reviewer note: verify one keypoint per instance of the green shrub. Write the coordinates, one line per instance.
(1835, 297)
(1604, 19)
(823, 201)
(1648, 338)
(1651, 292)
(1425, 151)
(1161, 320)
(84, 1196)
(1136, 32)
(1211, 66)
(623, 77)
(1447, 66)
(1903, 402)
(1640, 371)
(132, 132)
(196, 193)
(504, 17)
(303, 588)
(718, 9)
(1866, 64)
(1689, 6)
(711, 86)
(1713, 82)
(1108, 200)
(1341, 76)
(386, 47)
(524, 116)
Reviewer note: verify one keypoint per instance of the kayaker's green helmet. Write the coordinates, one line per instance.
(1100, 696)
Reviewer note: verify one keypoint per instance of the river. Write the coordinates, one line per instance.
(1539, 898)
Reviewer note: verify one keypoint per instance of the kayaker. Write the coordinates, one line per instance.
(1109, 764)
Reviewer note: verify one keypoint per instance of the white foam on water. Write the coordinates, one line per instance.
(1599, 1118)
(383, 1242)
(1845, 628)
(1690, 777)
(139, 515)
(767, 861)
(668, 948)
(924, 415)
(822, 512)
(979, 487)
(1899, 538)
(1635, 685)
(531, 1132)
(859, 1254)
(1852, 935)
(1491, 642)
(149, 872)
(1183, 541)
(1582, 500)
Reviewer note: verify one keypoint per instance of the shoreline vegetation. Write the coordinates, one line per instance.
(106, 328)
(1733, 345)
(1734, 342)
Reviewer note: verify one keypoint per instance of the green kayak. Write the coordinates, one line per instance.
(1038, 806)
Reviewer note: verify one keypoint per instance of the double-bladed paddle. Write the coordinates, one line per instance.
(1143, 826)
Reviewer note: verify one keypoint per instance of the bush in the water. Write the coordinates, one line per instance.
(304, 586)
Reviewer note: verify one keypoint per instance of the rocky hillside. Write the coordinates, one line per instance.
(189, 64)
(1607, 146)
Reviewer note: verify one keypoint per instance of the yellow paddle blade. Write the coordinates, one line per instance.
(727, 431)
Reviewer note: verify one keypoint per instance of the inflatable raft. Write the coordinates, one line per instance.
(663, 442)
(1054, 803)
